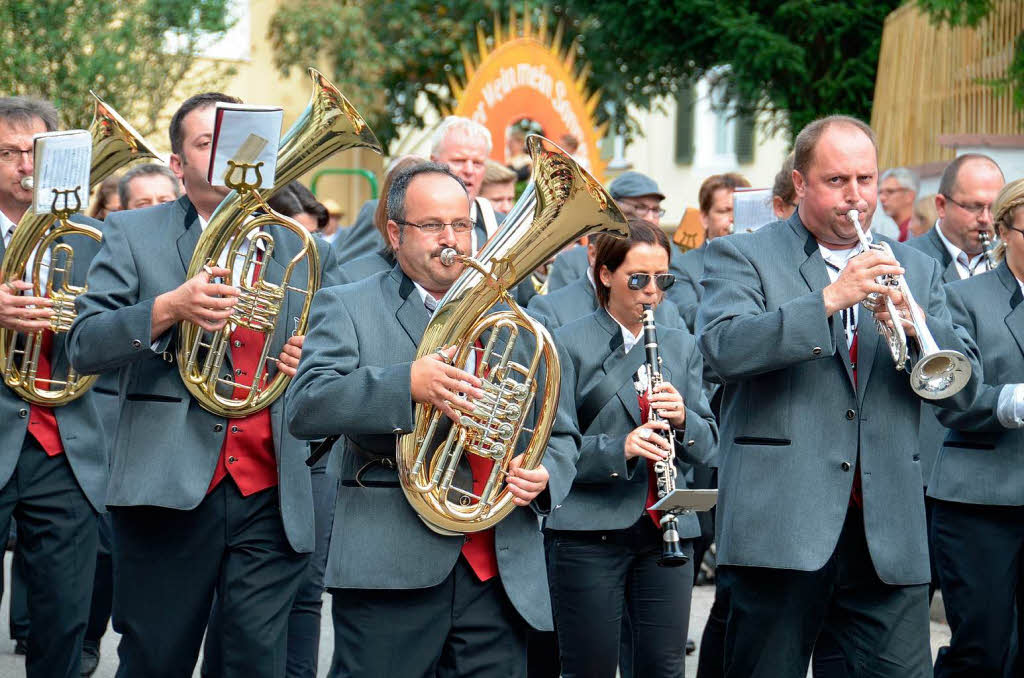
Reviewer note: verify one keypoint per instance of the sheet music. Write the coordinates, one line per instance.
(751, 209)
(245, 134)
(62, 162)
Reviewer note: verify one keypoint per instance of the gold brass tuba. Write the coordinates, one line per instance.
(114, 144)
(562, 204)
(328, 125)
(937, 373)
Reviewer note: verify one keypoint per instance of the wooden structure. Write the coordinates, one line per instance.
(931, 82)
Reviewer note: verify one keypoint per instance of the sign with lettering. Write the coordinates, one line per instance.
(523, 78)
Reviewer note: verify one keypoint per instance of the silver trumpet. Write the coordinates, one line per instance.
(938, 373)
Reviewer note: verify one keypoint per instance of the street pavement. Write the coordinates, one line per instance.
(12, 666)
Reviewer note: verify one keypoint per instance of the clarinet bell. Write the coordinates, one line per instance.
(671, 548)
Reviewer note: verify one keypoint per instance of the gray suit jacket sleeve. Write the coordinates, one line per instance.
(738, 336)
(981, 414)
(332, 393)
(113, 326)
(697, 443)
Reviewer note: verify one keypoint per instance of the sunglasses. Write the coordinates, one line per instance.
(638, 281)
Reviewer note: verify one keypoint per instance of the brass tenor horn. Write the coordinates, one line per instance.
(562, 204)
(328, 125)
(938, 373)
(114, 144)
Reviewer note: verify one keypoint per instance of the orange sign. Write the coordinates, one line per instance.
(525, 78)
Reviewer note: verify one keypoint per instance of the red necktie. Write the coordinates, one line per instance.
(856, 493)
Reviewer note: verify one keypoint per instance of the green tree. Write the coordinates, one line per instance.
(971, 13)
(794, 61)
(132, 53)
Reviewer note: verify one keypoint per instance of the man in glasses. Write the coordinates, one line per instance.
(967, 188)
(406, 600)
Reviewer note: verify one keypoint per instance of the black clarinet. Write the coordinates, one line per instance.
(665, 470)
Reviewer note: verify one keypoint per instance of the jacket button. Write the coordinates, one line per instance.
(845, 466)
(232, 460)
(691, 443)
(23, 413)
(218, 427)
(136, 343)
(850, 414)
(816, 350)
(615, 475)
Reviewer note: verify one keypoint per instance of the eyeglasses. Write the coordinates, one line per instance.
(638, 281)
(459, 225)
(640, 210)
(9, 155)
(975, 209)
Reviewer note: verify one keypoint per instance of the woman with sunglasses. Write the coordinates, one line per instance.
(977, 483)
(603, 543)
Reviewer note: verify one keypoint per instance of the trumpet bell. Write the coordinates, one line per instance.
(940, 375)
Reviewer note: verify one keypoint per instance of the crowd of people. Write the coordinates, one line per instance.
(845, 498)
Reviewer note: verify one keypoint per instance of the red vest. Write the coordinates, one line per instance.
(247, 454)
(42, 423)
(478, 549)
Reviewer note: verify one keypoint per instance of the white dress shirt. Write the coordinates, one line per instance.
(965, 266)
(835, 262)
(7, 228)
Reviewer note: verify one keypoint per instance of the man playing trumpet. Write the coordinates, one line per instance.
(820, 508)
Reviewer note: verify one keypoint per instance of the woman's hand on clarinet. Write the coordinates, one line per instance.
(669, 404)
(645, 441)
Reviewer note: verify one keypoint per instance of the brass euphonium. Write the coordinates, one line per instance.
(114, 144)
(328, 125)
(937, 373)
(562, 204)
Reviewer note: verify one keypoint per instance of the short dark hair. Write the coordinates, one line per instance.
(147, 170)
(310, 204)
(380, 213)
(950, 175)
(21, 111)
(807, 140)
(284, 201)
(404, 177)
(783, 186)
(610, 251)
(203, 100)
(729, 180)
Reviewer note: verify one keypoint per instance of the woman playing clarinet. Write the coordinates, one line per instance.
(641, 422)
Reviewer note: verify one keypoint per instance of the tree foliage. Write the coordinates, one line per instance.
(132, 53)
(794, 60)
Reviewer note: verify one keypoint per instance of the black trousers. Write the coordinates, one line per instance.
(57, 544)
(774, 616)
(980, 558)
(595, 577)
(303, 650)
(461, 627)
(169, 563)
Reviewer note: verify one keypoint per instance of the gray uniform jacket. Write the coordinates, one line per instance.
(367, 265)
(610, 492)
(577, 300)
(688, 268)
(359, 239)
(932, 432)
(167, 446)
(793, 423)
(980, 462)
(354, 380)
(567, 267)
(84, 429)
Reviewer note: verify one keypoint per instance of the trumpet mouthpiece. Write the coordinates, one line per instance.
(27, 183)
(449, 256)
(854, 216)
